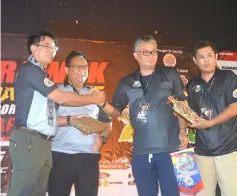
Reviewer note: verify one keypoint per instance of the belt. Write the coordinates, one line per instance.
(33, 132)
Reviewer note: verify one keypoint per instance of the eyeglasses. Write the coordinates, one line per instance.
(78, 66)
(54, 48)
(147, 53)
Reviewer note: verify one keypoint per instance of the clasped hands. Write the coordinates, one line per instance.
(98, 96)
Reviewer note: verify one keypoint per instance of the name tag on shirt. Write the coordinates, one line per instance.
(143, 111)
(206, 113)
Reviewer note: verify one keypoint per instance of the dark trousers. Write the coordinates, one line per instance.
(81, 169)
(31, 160)
(148, 174)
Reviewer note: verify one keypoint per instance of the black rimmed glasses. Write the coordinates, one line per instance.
(148, 53)
(54, 48)
(78, 66)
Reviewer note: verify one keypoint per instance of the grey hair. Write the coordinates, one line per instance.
(142, 39)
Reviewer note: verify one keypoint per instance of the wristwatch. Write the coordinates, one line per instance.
(68, 120)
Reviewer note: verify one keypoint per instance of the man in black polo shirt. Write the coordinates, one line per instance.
(213, 96)
(36, 119)
(157, 131)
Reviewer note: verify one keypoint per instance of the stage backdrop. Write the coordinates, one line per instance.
(109, 62)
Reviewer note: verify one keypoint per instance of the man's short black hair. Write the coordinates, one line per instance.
(203, 44)
(38, 36)
(73, 54)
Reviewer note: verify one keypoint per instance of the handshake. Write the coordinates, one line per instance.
(97, 97)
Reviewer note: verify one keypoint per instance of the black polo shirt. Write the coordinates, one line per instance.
(217, 94)
(160, 132)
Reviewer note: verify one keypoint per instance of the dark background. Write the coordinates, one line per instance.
(178, 23)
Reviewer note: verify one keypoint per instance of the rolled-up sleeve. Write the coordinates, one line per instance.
(231, 88)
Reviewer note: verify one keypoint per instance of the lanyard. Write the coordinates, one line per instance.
(144, 88)
(205, 95)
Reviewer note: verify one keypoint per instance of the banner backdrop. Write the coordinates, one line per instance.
(108, 62)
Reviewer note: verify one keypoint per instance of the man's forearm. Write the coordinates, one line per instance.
(182, 125)
(62, 121)
(226, 114)
(73, 99)
(107, 131)
(110, 110)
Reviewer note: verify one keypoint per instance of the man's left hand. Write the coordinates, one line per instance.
(97, 143)
(201, 123)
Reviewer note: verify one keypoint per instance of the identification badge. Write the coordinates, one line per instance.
(198, 88)
(206, 113)
(143, 111)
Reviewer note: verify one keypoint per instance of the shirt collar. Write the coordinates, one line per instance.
(216, 73)
(136, 73)
(66, 83)
(34, 61)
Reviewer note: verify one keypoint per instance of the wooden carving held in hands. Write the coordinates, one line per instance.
(182, 109)
(88, 125)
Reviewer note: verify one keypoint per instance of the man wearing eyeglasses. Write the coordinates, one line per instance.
(36, 118)
(157, 131)
(76, 155)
